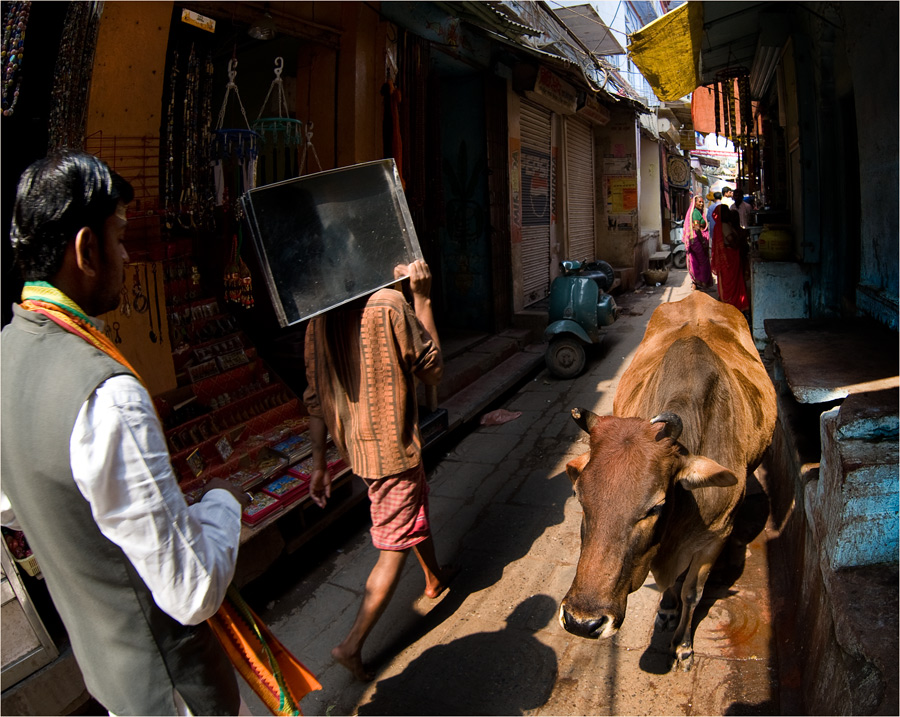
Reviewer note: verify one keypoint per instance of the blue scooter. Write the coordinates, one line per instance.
(579, 307)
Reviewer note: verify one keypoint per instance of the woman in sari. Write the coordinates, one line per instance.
(727, 240)
(697, 245)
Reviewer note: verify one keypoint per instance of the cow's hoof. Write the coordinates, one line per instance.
(684, 657)
(666, 619)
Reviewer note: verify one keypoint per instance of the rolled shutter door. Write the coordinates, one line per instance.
(579, 190)
(536, 201)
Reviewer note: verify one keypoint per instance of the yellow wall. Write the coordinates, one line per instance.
(127, 84)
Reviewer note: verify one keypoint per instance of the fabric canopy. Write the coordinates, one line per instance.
(667, 51)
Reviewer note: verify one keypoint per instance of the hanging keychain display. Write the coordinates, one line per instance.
(280, 136)
(234, 144)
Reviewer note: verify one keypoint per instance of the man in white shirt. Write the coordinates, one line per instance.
(727, 193)
(133, 570)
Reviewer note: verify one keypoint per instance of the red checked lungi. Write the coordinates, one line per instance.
(399, 509)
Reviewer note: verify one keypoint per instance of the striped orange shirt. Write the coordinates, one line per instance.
(361, 360)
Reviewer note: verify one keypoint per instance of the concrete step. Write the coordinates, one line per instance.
(465, 404)
(467, 368)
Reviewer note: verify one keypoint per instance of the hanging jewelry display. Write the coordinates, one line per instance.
(188, 209)
(240, 145)
(206, 190)
(280, 136)
(72, 76)
(12, 52)
(238, 281)
(170, 207)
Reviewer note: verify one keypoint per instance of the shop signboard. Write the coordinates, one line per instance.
(329, 238)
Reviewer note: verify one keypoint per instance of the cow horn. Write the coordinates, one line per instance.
(584, 418)
(673, 428)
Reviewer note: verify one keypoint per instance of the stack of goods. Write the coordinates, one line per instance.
(21, 552)
(262, 505)
(295, 447)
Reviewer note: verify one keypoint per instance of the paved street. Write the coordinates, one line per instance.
(502, 507)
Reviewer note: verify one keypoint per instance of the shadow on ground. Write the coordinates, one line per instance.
(506, 672)
(750, 522)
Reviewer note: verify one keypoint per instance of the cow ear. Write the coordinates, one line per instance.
(700, 472)
(576, 465)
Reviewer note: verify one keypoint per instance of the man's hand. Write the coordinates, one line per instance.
(320, 486)
(242, 497)
(419, 277)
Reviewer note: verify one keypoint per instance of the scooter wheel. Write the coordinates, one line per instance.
(565, 357)
(679, 260)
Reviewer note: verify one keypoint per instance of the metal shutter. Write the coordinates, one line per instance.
(537, 201)
(579, 190)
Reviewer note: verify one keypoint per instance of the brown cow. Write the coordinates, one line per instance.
(665, 474)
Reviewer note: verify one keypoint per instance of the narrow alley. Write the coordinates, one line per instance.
(502, 508)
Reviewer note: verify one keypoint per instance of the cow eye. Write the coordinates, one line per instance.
(655, 510)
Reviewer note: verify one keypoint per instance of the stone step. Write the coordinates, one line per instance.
(465, 404)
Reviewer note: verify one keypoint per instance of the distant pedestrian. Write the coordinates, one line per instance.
(727, 196)
(744, 208)
(696, 243)
(362, 360)
(728, 240)
(134, 572)
(711, 225)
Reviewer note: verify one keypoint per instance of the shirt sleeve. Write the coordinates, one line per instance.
(310, 397)
(422, 354)
(184, 554)
(7, 515)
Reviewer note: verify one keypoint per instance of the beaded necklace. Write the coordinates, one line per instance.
(190, 158)
(170, 145)
(206, 191)
(12, 52)
(72, 76)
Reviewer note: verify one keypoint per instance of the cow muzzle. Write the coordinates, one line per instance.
(593, 628)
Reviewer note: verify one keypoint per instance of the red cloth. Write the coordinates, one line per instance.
(727, 263)
(399, 509)
(703, 110)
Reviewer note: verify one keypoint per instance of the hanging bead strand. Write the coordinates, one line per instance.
(12, 53)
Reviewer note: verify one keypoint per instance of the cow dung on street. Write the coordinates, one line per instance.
(665, 475)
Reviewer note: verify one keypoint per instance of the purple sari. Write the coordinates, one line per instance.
(696, 243)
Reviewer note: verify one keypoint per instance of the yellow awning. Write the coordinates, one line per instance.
(667, 51)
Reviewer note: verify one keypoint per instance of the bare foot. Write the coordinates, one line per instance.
(444, 579)
(352, 663)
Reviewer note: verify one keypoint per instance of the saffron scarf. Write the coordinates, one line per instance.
(276, 676)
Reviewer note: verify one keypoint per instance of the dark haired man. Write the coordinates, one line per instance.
(727, 196)
(362, 360)
(133, 571)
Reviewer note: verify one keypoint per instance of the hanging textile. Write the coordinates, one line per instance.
(278, 678)
(667, 51)
(732, 118)
(72, 76)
